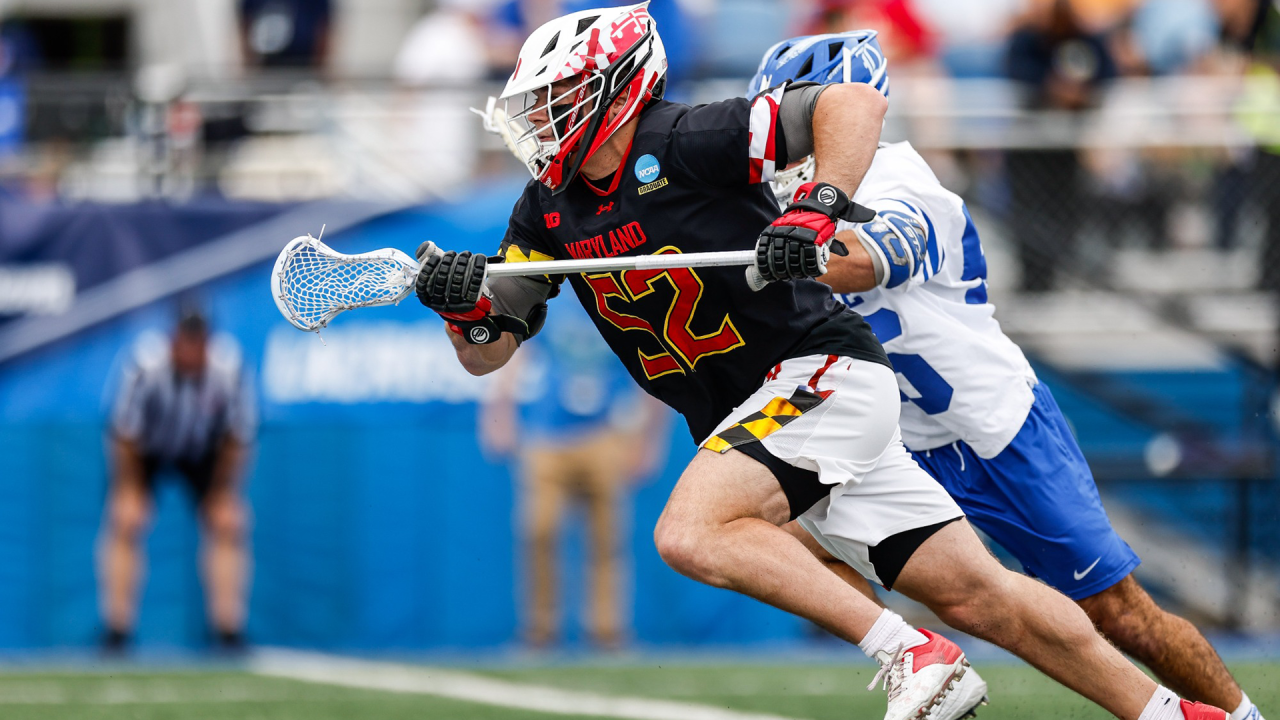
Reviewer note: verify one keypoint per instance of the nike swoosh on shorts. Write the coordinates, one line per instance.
(1080, 575)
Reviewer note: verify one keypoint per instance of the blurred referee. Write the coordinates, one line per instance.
(183, 409)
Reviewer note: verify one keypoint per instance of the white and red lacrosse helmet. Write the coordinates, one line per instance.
(553, 113)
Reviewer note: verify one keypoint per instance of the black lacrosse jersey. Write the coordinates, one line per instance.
(694, 180)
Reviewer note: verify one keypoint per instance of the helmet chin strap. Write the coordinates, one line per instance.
(593, 150)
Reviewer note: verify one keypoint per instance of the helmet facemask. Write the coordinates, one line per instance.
(546, 125)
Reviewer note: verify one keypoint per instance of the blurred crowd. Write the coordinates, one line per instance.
(280, 111)
(956, 38)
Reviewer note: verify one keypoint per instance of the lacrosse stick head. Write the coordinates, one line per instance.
(312, 283)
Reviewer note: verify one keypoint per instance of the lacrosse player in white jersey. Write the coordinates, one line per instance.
(974, 414)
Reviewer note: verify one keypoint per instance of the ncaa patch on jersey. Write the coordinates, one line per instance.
(647, 168)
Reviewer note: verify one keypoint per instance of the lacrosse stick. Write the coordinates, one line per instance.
(312, 283)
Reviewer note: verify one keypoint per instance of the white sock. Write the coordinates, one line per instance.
(1246, 706)
(888, 633)
(1163, 705)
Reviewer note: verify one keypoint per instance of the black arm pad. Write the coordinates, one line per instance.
(522, 297)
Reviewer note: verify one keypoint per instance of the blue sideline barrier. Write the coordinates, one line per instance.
(377, 523)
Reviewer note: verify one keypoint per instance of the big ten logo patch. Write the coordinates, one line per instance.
(552, 220)
(647, 168)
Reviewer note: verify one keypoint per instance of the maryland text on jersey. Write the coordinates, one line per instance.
(616, 241)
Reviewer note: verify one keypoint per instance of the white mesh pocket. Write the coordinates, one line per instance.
(312, 283)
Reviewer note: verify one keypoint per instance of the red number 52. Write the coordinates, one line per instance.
(679, 346)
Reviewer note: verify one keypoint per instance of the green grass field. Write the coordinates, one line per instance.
(817, 692)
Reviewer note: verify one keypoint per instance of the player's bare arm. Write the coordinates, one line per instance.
(483, 359)
(846, 131)
(852, 273)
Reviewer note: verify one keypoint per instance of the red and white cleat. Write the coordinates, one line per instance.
(1200, 711)
(930, 681)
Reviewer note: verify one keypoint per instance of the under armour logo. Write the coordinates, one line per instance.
(604, 208)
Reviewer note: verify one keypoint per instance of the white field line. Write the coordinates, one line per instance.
(347, 672)
(130, 692)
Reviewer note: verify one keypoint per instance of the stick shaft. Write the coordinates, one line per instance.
(630, 262)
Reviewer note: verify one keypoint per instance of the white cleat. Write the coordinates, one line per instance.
(928, 681)
(966, 696)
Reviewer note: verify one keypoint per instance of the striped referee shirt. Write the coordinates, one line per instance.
(175, 419)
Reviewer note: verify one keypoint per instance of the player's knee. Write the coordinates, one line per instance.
(674, 544)
(975, 602)
(965, 615)
(683, 548)
(971, 590)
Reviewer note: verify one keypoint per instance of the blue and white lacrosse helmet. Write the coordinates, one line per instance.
(845, 57)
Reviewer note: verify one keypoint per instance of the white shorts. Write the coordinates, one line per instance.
(838, 416)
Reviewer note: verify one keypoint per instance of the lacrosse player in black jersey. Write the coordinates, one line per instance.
(789, 394)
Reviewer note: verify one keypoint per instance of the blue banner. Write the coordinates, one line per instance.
(378, 523)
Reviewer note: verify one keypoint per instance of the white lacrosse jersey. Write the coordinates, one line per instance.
(960, 378)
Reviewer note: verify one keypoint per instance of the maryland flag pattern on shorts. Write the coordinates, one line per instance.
(762, 424)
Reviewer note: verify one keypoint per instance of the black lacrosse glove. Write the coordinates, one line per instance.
(799, 243)
(452, 284)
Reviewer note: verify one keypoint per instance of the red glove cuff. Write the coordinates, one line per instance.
(481, 311)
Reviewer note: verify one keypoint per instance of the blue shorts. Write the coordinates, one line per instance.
(1037, 498)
